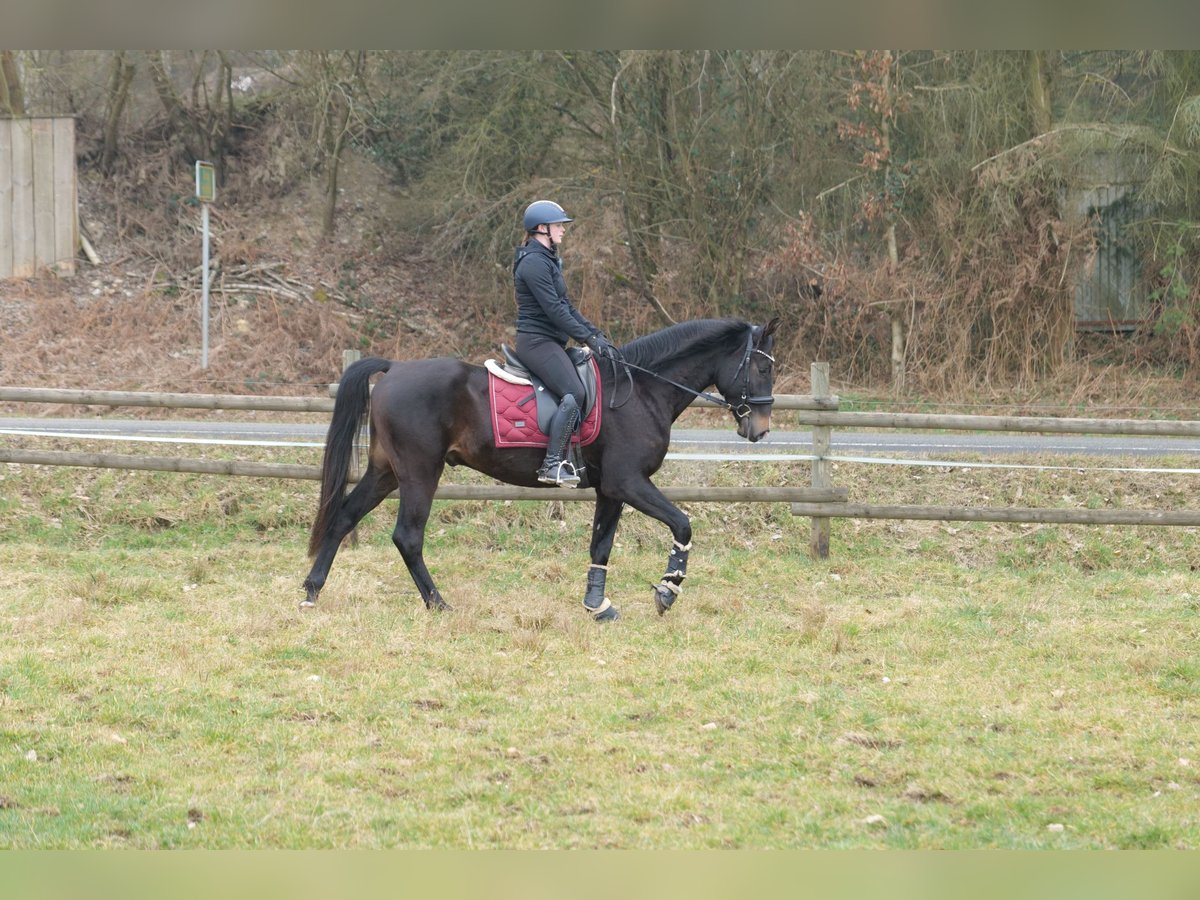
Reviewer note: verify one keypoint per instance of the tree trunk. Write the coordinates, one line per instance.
(896, 310)
(118, 94)
(195, 141)
(12, 98)
(341, 97)
(223, 114)
(636, 238)
(1039, 91)
(329, 213)
(162, 84)
(896, 318)
(171, 103)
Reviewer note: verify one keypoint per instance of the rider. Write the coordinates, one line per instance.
(546, 318)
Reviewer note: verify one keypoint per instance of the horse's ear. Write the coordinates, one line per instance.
(769, 328)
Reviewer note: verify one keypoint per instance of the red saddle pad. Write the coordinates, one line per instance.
(514, 415)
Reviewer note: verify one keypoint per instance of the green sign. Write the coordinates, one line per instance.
(206, 182)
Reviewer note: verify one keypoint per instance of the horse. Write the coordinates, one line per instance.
(427, 413)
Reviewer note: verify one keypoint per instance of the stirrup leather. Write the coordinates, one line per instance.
(561, 474)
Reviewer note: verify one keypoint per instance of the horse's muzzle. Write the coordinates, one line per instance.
(754, 426)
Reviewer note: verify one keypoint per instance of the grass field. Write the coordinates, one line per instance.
(931, 685)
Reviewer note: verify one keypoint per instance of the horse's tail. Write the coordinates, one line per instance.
(350, 408)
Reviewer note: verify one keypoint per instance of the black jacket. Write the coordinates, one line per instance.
(543, 306)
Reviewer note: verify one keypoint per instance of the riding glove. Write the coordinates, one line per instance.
(602, 346)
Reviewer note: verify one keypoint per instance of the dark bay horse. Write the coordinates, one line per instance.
(430, 412)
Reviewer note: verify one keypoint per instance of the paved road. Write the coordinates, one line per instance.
(928, 444)
(783, 444)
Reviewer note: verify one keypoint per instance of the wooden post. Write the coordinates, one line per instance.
(24, 263)
(66, 201)
(43, 193)
(822, 477)
(7, 128)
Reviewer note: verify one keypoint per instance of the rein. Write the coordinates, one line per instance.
(741, 410)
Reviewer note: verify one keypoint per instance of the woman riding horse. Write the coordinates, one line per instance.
(426, 414)
(546, 318)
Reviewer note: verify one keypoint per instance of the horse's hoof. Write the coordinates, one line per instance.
(437, 604)
(663, 599)
(603, 611)
(307, 604)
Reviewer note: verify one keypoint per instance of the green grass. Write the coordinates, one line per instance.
(930, 685)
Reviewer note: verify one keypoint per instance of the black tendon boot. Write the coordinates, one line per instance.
(597, 605)
(555, 469)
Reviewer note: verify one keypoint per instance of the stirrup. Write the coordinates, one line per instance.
(562, 474)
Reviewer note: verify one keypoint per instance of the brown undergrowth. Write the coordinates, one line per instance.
(984, 330)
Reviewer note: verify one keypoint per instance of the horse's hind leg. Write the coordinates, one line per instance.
(367, 494)
(416, 500)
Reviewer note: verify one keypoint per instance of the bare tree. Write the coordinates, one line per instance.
(340, 87)
(120, 78)
(684, 141)
(875, 99)
(203, 123)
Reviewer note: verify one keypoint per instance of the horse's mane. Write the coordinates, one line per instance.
(681, 340)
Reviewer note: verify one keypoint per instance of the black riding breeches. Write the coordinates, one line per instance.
(548, 360)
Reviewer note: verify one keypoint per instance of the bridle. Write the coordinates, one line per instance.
(745, 402)
(742, 410)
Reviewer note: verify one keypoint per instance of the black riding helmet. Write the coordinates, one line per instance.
(544, 212)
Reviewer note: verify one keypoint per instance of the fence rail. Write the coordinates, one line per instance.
(686, 493)
(1028, 424)
(812, 411)
(166, 400)
(274, 404)
(1010, 514)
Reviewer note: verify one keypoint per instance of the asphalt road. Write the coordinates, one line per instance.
(684, 442)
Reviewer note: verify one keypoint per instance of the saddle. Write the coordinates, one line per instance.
(522, 406)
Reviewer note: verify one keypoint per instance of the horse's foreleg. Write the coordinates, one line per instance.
(671, 584)
(416, 500)
(646, 498)
(604, 529)
(366, 495)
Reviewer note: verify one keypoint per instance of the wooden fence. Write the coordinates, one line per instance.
(821, 501)
(38, 206)
(694, 493)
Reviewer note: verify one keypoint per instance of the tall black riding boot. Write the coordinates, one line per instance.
(555, 469)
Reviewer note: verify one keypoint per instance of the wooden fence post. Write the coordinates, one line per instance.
(822, 478)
